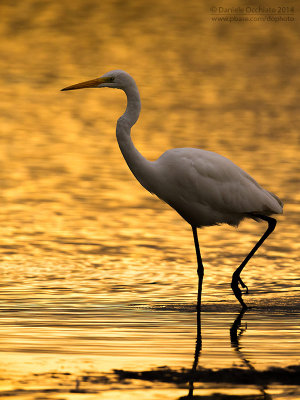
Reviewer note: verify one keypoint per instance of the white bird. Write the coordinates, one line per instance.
(205, 188)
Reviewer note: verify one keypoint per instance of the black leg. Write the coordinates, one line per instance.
(236, 275)
(200, 272)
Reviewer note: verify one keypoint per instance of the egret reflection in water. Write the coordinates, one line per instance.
(254, 382)
(203, 187)
(235, 333)
(96, 274)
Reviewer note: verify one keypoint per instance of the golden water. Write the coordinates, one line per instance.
(97, 274)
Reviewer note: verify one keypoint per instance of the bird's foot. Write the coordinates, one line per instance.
(244, 286)
(237, 291)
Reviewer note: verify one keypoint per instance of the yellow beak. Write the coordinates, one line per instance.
(88, 84)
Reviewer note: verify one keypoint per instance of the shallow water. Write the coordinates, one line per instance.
(97, 274)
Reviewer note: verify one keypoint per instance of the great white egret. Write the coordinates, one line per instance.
(205, 188)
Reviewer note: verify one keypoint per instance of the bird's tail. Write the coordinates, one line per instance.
(280, 203)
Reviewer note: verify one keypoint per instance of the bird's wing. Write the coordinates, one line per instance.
(209, 179)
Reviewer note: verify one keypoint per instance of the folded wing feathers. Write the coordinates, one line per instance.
(214, 181)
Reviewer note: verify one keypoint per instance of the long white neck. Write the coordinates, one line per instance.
(139, 166)
(133, 108)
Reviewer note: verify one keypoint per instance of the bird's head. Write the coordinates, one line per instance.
(116, 79)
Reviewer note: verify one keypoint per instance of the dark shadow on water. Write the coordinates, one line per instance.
(282, 376)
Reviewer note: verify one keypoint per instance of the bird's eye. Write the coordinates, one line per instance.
(111, 79)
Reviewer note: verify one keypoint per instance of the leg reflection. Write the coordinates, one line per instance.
(198, 349)
(236, 332)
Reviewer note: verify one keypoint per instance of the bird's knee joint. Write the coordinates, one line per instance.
(200, 273)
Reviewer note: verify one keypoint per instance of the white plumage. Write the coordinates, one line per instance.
(205, 188)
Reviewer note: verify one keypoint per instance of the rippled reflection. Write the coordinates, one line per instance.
(235, 333)
(239, 382)
(97, 274)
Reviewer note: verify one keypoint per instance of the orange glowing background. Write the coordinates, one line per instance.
(89, 259)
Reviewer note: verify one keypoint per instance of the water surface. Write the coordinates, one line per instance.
(97, 274)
